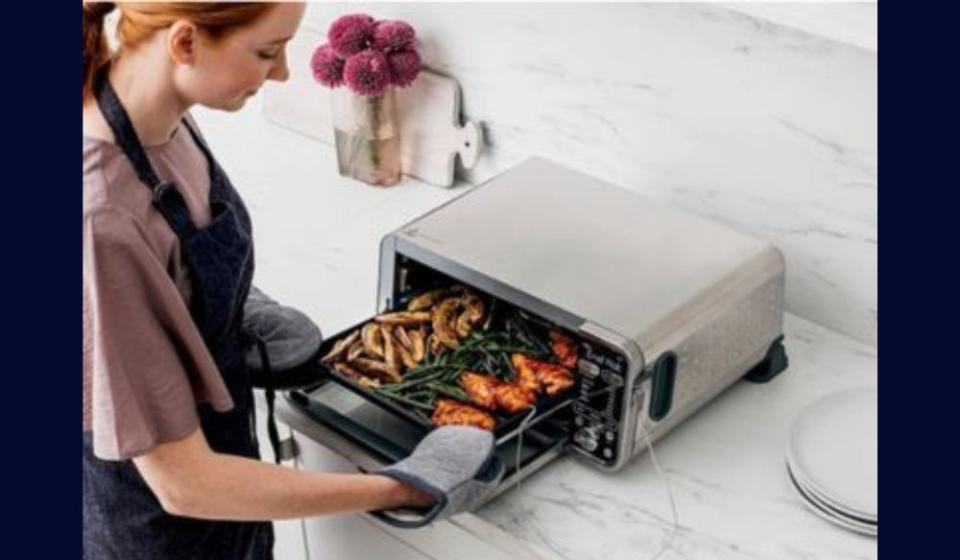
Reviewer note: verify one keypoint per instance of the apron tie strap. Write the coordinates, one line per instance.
(270, 393)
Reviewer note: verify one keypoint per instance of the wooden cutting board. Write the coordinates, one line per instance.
(431, 132)
(431, 136)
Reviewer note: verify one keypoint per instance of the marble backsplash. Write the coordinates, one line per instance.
(761, 126)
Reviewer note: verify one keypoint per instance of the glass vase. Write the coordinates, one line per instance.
(367, 136)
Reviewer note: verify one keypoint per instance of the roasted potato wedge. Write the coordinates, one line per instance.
(368, 382)
(401, 336)
(347, 371)
(443, 321)
(418, 348)
(355, 351)
(372, 340)
(463, 325)
(380, 370)
(406, 357)
(340, 347)
(405, 318)
(358, 376)
(434, 344)
(473, 308)
(390, 355)
(426, 300)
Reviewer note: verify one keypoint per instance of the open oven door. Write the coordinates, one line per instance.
(370, 436)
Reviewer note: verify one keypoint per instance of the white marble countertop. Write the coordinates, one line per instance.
(317, 246)
(725, 466)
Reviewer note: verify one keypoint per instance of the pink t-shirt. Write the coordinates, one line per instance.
(145, 365)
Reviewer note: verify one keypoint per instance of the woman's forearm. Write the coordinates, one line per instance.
(244, 489)
(193, 481)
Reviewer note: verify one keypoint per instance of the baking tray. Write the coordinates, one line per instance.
(506, 423)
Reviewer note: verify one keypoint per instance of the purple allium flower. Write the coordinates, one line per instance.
(350, 34)
(389, 36)
(404, 67)
(327, 67)
(367, 72)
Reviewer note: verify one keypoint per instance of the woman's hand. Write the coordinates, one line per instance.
(454, 464)
(412, 497)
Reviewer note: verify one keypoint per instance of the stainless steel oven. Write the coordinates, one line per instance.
(667, 308)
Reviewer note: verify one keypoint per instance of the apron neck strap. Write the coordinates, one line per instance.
(123, 131)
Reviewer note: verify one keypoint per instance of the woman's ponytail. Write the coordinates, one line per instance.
(95, 48)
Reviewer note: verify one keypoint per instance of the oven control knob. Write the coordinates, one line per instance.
(588, 437)
(588, 369)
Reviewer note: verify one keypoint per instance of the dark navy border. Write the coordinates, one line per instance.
(919, 225)
(919, 147)
(41, 272)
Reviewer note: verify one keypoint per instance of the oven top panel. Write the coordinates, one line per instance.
(596, 250)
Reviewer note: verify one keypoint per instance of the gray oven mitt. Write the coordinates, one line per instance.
(283, 341)
(291, 338)
(454, 464)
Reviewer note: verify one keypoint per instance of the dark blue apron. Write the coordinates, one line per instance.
(122, 519)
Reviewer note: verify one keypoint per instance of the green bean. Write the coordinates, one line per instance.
(405, 384)
(450, 391)
(425, 392)
(416, 372)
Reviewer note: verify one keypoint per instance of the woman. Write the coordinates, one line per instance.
(170, 454)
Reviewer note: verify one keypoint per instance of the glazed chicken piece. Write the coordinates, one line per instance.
(563, 348)
(480, 388)
(554, 377)
(539, 376)
(449, 412)
(513, 398)
(491, 393)
(526, 376)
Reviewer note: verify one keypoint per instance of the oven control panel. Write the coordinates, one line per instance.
(599, 404)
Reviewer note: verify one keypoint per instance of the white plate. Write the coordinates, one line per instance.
(833, 450)
(824, 512)
(826, 500)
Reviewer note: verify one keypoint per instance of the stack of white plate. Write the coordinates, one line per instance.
(832, 458)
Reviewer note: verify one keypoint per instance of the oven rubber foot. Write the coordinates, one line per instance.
(771, 366)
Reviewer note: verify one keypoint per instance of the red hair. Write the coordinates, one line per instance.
(138, 21)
